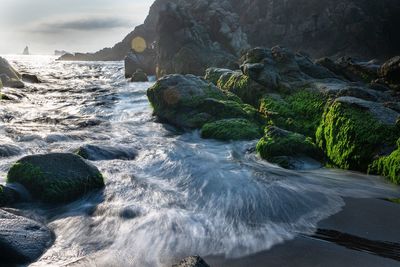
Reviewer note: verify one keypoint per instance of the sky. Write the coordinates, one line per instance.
(71, 25)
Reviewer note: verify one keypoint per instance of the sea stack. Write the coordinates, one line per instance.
(26, 51)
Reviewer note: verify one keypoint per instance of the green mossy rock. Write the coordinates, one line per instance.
(298, 112)
(351, 135)
(231, 129)
(241, 85)
(388, 166)
(214, 74)
(56, 177)
(190, 102)
(278, 145)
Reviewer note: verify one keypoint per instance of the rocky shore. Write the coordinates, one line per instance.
(341, 113)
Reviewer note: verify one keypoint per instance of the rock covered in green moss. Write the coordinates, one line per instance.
(231, 129)
(279, 146)
(241, 85)
(214, 74)
(56, 177)
(300, 111)
(388, 166)
(354, 131)
(188, 101)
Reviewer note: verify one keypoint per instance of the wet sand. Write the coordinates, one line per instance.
(365, 233)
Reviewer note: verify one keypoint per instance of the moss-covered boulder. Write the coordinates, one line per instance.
(231, 129)
(241, 85)
(214, 74)
(56, 177)
(388, 166)
(280, 146)
(300, 111)
(354, 131)
(190, 102)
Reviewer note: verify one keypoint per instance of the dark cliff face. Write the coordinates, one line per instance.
(364, 28)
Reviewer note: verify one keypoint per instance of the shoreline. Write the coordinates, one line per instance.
(352, 237)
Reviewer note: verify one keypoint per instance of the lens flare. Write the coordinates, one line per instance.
(138, 44)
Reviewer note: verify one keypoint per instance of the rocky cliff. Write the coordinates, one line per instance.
(363, 28)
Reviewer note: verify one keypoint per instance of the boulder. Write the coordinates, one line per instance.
(352, 69)
(31, 78)
(388, 165)
(185, 46)
(354, 131)
(13, 83)
(139, 76)
(8, 196)
(144, 61)
(7, 150)
(390, 71)
(231, 129)
(98, 152)
(283, 147)
(192, 261)
(56, 177)
(22, 240)
(8, 70)
(188, 101)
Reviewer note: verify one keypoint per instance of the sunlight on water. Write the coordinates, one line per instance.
(182, 195)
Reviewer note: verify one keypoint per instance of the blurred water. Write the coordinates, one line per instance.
(181, 196)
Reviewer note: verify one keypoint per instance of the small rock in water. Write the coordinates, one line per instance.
(9, 150)
(139, 76)
(192, 261)
(22, 240)
(129, 213)
(31, 78)
(97, 152)
(56, 177)
(8, 196)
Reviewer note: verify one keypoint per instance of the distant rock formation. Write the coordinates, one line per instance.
(60, 52)
(26, 51)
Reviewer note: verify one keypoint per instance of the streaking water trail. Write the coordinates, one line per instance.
(182, 195)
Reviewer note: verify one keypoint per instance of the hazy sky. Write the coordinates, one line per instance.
(72, 25)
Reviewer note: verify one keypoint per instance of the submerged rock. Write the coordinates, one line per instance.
(56, 177)
(31, 78)
(22, 240)
(97, 152)
(7, 150)
(139, 76)
(192, 261)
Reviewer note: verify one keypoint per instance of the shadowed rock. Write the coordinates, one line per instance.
(192, 261)
(22, 240)
(98, 152)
